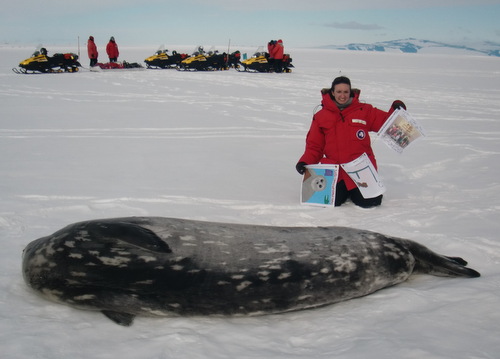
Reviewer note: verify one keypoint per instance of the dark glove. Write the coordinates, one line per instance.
(301, 167)
(398, 104)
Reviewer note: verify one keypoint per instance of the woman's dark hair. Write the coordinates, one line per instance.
(341, 80)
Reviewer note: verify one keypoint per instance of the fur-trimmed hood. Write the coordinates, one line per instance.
(354, 91)
(328, 101)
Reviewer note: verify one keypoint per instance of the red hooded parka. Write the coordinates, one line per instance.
(270, 48)
(92, 48)
(337, 137)
(112, 49)
(278, 50)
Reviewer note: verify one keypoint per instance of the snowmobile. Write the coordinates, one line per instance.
(260, 62)
(234, 60)
(40, 62)
(163, 60)
(202, 61)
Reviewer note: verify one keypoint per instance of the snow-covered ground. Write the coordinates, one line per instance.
(222, 146)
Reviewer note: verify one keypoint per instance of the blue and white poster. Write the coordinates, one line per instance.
(318, 185)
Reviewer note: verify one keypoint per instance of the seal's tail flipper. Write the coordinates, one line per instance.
(453, 267)
(430, 262)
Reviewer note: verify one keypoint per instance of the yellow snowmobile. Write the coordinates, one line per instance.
(40, 62)
(205, 61)
(260, 62)
(161, 59)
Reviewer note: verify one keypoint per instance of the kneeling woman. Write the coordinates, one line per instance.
(339, 134)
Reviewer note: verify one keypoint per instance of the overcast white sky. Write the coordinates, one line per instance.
(300, 23)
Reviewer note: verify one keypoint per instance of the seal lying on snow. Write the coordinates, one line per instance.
(153, 266)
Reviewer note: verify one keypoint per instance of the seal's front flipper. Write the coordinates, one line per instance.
(124, 319)
(127, 232)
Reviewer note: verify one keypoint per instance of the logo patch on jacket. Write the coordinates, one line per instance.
(361, 134)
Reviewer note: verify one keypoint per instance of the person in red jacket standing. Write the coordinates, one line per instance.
(279, 50)
(276, 52)
(271, 49)
(339, 134)
(92, 51)
(112, 50)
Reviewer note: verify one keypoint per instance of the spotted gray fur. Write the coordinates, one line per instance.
(154, 266)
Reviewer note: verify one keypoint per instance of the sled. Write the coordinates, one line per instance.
(116, 66)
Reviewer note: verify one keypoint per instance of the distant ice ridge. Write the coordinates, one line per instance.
(412, 45)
